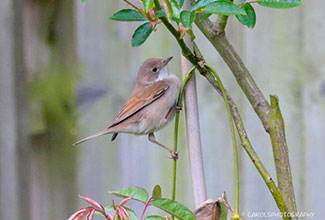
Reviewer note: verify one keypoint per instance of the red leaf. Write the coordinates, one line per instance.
(93, 202)
(110, 216)
(91, 214)
(79, 214)
(124, 201)
(115, 209)
(123, 214)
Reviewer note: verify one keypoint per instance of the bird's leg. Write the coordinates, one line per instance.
(151, 138)
(176, 107)
(168, 113)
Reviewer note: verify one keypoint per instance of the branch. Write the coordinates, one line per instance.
(261, 106)
(280, 151)
(198, 61)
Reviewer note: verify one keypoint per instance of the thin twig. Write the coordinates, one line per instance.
(145, 208)
(132, 5)
(235, 215)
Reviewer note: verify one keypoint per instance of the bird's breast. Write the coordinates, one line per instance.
(160, 112)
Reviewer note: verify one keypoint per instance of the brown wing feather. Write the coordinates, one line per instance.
(140, 98)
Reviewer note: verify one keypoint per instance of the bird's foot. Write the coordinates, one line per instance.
(173, 155)
(179, 107)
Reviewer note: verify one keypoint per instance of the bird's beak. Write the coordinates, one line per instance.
(166, 61)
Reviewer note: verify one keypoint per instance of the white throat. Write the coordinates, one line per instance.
(163, 74)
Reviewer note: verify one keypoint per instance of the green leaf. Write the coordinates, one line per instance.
(223, 208)
(187, 18)
(84, 1)
(224, 8)
(190, 32)
(154, 217)
(160, 13)
(279, 3)
(174, 208)
(147, 4)
(250, 18)
(132, 214)
(110, 209)
(141, 34)
(128, 15)
(156, 192)
(135, 192)
(180, 3)
(175, 19)
(204, 15)
(201, 4)
(175, 7)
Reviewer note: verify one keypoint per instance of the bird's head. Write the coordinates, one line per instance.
(153, 70)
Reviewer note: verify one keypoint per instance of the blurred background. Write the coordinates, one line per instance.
(66, 70)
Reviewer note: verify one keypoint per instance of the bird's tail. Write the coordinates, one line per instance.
(100, 133)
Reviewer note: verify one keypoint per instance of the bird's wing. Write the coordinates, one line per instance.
(140, 98)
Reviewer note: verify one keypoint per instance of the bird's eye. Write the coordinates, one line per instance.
(155, 69)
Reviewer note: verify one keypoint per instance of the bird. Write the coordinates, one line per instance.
(151, 106)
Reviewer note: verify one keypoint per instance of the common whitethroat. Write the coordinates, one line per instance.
(151, 106)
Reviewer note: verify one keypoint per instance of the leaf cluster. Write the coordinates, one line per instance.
(244, 12)
(114, 212)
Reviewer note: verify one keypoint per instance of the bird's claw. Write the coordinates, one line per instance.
(179, 107)
(173, 155)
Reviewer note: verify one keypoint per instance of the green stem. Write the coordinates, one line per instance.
(179, 103)
(221, 23)
(234, 142)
